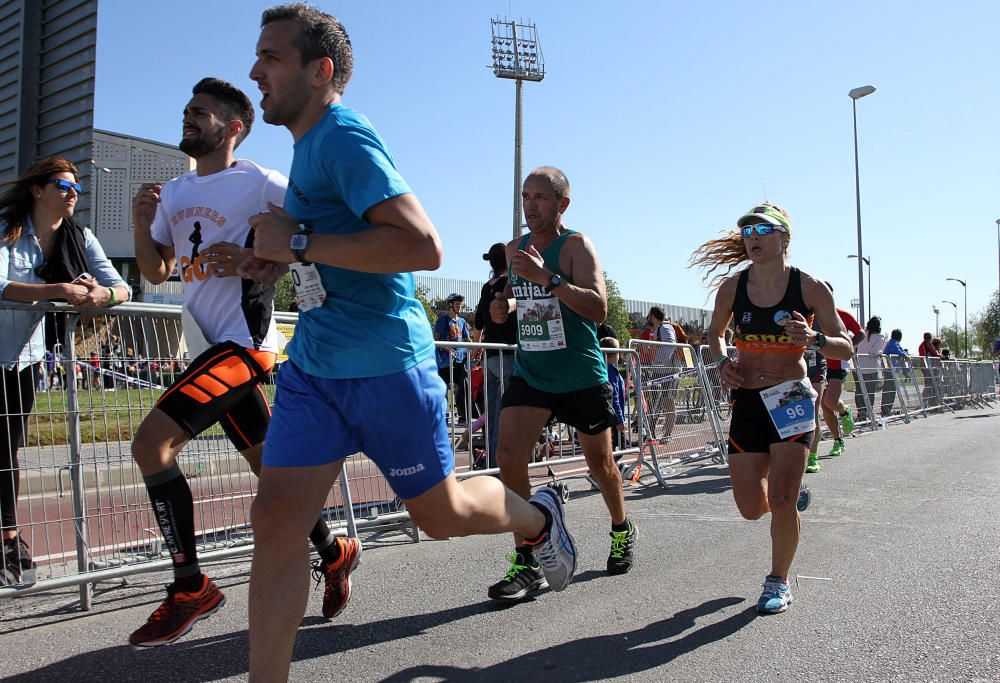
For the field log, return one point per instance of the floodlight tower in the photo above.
(517, 55)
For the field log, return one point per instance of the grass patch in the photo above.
(104, 415)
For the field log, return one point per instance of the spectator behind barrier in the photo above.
(45, 255)
(499, 365)
(451, 327)
(869, 370)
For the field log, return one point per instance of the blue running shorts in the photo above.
(397, 420)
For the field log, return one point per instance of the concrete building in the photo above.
(48, 55)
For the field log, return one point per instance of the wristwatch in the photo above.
(554, 281)
(820, 341)
(299, 243)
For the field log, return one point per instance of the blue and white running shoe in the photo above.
(556, 553)
(805, 496)
(777, 596)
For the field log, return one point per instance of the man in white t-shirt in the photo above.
(199, 223)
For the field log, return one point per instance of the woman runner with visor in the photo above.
(773, 306)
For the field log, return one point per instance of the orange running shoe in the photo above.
(177, 614)
(338, 576)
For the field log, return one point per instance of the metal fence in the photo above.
(84, 510)
(82, 506)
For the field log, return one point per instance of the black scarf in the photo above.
(68, 259)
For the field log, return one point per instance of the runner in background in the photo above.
(773, 305)
(838, 416)
(557, 291)
(816, 371)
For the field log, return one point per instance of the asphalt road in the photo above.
(896, 581)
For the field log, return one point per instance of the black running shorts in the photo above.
(589, 410)
(222, 385)
(751, 429)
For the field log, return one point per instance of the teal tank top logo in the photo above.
(557, 350)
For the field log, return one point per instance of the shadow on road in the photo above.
(603, 657)
(710, 481)
(224, 656)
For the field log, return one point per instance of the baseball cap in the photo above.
(498, 250)
(765, 213)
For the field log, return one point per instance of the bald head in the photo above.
(556, 179)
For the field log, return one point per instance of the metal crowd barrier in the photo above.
(84, 510)
(679, 412)
(83, 507)
(557, 454)
(887, 382)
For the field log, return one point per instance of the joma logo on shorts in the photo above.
(405, 471)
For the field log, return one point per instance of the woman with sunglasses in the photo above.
(44, 256)
(773, 306)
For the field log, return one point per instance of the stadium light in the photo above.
(517, 55)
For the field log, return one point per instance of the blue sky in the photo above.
(670, 119)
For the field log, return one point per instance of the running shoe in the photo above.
(594, 486)
(177, 614)
(805, 497)
(523, 577)
(777, 596)
(812, 467)
(556, 552)
(847, 421)
(623, 544)
(18, 567)
(838, 448)
(337, 576)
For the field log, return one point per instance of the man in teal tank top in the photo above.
(556, 289)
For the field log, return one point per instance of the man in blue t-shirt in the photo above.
(361, 374)
(451, 327)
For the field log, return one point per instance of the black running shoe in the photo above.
(19, 568)
(623, 543)
(519, 581)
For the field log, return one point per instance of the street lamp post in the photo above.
(998, 249)
(95, 195)
(945, 301)
(855, 95)
(965, 291)
(937, 320)
(868, 264)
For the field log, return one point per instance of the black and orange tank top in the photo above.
(758, 329)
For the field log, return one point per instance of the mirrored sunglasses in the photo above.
(65, 186)
(762, 229)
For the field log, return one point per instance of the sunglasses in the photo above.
(761, 229)
(65, 186)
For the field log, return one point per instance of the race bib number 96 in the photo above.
(792, 407)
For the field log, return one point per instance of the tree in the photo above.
(985, 328)
(423, 296)
(951, 336)
(617, 312)
(284, 293)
